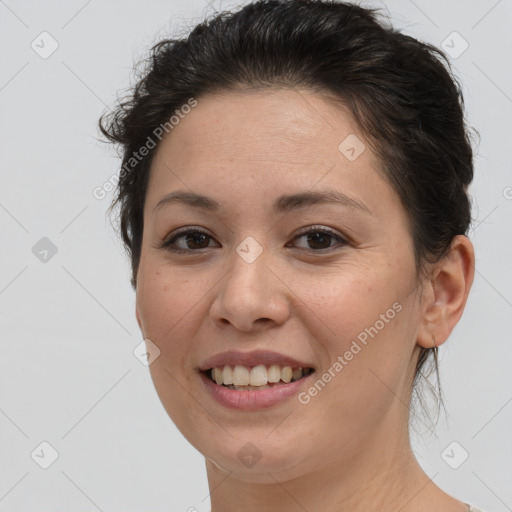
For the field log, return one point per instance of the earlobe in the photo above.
(450, 286)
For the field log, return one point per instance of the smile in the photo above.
(257, 377)
(249, 388)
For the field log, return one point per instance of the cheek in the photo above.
(359, 321)
(165, 303)
(342, 304)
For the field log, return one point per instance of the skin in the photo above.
(348, 449)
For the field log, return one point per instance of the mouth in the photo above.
(254, 378)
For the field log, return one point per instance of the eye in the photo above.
(320, 239)
(193, 239)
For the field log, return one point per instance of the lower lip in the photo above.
(253, 399)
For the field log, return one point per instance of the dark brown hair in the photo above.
(402, 93)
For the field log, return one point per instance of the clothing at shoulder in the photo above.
(473, 509)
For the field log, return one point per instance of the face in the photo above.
(330, 284)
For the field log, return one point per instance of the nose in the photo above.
(251, 296)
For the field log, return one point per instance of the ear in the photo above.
(447, 293)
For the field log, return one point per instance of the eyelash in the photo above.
(168, 245)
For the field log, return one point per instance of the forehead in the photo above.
(293, 123)
(241, 144)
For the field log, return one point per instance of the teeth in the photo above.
(217, 375)
(243, 377)
(227, 375)
(258, 376)
(286, 374)
(297, 373)
(240, 376)
(274, 373)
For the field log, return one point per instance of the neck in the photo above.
(382, 475)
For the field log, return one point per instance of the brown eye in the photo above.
(320, 239)
(193, 240)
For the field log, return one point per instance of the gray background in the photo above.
(68, 375)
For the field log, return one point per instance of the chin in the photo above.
(253, 462)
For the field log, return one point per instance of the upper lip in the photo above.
(254, 358)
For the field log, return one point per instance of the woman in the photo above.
(293, 197)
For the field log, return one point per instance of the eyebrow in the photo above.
(284, 203)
